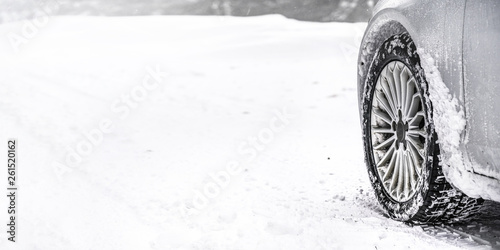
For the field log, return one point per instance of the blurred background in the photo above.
(307, 10)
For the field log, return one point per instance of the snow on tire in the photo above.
(401, 150)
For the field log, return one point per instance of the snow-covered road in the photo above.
(190, 133)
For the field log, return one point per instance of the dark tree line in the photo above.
(310, 10)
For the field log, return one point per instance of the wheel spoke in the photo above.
(382, 115)
(415, 145)
(390, 169)
(417, 132)
(415, 166)
(385, 143)
(408, 172)
(390, 81)
(387, 155)
(396, 74)
(380, 96)
(387, 92)
(410, 91)
(414, 106)
(402, 166)
(403, 76)
(395, 175)
(382, 130)
(415, 121)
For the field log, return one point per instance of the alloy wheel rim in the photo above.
(398, 133)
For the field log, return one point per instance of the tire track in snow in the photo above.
(485, 230)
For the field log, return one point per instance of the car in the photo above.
(429, 102)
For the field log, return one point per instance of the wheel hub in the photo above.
(401, 129)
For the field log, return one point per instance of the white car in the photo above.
(429, 98)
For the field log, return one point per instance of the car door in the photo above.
(481, 61)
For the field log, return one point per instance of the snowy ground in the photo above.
(227, 133)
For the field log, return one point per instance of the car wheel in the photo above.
(401, 149)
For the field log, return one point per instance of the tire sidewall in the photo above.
(401, 48)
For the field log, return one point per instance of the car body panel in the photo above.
(482, 85)
(425, 23)
(437, 27)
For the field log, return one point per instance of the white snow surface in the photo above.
(252, 141)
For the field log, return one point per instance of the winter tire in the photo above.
(401, 150)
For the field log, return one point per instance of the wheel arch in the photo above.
(427, 23)
(385, 24)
